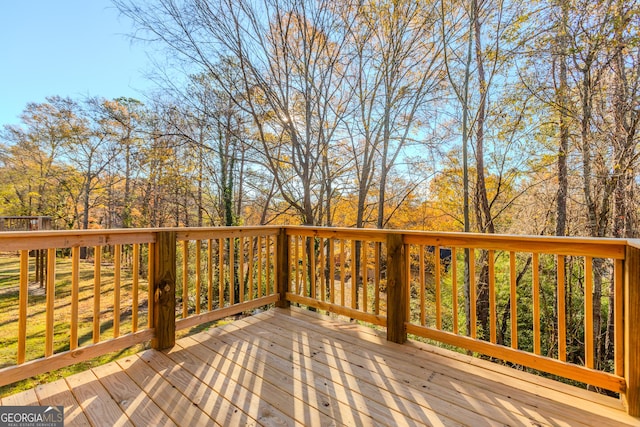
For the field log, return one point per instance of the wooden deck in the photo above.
(292, 367)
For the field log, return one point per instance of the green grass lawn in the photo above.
(36, 314)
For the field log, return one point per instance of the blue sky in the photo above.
(69, 48)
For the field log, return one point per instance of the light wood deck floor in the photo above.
(292, 367)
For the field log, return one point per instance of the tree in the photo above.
(121, 119)
(34, 157)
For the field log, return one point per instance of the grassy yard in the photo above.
(36, 323)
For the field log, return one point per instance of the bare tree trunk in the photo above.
(563, 106)
(483, 211)
(562, 101)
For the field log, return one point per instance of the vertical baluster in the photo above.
(406, 259)
(312, 279)
(588, 313)
(423, 316)
(210, 274)
(241, 267)
(221, 272)
(323, 285)
(536, 302)
(292, 263)
(354, 276)
(250, 261)
(562, 310)
(135, 287)
(116, 289)
(332, 270)
(365, 277)
(185, 278)
(22, 305)
(342, 273)
(472, 292)
(306, 280)
(50, 301)
(198, 274)
(232, 270)
(513, 301)
(377, 277)
(75, 282)
(260, 268)
(454, 289)
(267, 262)
(436, 269)
(97, 260)
(296, 261)
(151, 274)
(492, 297)
(618, 320)
(274, 262)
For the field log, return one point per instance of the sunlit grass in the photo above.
(36, 314)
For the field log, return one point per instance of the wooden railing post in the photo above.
(164, 290)
(632, 330)
(282, 259)
(397, 289)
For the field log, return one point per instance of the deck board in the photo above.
(133, 401)
(282, 373)
(172, 402)
(502, 385)
(370, 398)
(95, 401)
(459, 389)
(57, 393)
(378, 379)
(206, 396)
(24, 398)
(298, 368)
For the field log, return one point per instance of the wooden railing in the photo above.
(97, 297)
(414, 283)
(407, 282)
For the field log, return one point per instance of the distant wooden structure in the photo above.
(30, 223)
(25, 223)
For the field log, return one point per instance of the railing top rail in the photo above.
(15, 241)
(371, 234)
(450, 235)
(225, 232)
(585, 246)
(579, 246)
(46, 239)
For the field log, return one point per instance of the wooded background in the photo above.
(484, 115)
